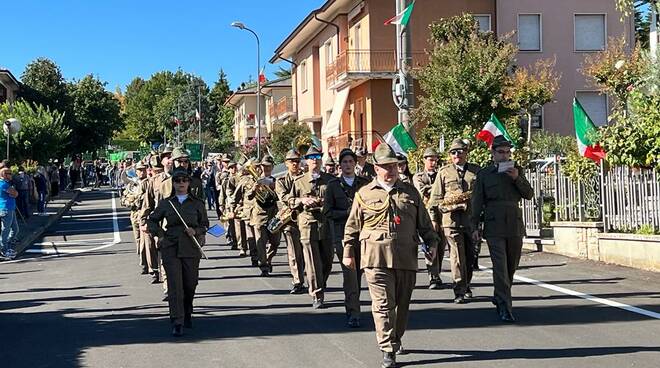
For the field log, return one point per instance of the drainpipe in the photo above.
(316, 12)
(295, 92)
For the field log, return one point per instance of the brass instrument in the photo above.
(265, 195)
(455, 201)
(284, 217)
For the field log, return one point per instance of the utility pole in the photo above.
(653, 31)
(199, 111)
(402, 85)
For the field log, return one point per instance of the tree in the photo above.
(97, 115)
(43, 134)
(285, 137)
(283, 72)
(470, 75)
(43, 83)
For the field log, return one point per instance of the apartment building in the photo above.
(567, 31)
(244, 103)
(9, 86)
(344, 58)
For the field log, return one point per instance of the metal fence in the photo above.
(625, 199)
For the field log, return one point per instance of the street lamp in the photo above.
(242, 26)
(11, 126)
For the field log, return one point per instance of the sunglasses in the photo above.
(313, 157)
(457, 152)
(181, 180)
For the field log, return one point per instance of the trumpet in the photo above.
(284, 217)
(266, 197)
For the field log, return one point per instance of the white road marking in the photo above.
(84, 230)
(55, 252)
(585, 296)
(73, 215)
(74, 242)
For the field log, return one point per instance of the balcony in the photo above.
(285, 108)
(367, 64)
(352, 139)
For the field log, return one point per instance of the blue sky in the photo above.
(118, 40)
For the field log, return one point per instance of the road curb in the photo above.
(36, 234)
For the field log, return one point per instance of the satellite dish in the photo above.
(11, 126)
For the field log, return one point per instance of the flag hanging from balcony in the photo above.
(399, 139)
(492, 129)
(403, 17)
(585, 131)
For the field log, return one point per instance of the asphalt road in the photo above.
(78, 300)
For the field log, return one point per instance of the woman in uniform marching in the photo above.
(180, 223)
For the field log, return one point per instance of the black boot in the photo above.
(177, 330)
(389, 360)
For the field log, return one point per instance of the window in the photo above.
(303, 76)
(529, 32)
(484, 22)
(595, 104)
(537, 119)
(329, 55)
(590, 33)
(3, 94)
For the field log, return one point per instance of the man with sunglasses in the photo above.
(283, 188)
(450, 212)
(307, 197)
(498, 190)
(423, 181)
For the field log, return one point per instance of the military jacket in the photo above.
(220, 181)
(153, 195)
(306, 186)
(260, 216)
(228, 188)
(283, 188)
(391, 242)
(448, 205)
(196, 187)
(423, 181)
(339, 198)
(497, 196)
(368, 171)
(172, 239)
(243, 203)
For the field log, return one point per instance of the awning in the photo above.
(331, 127)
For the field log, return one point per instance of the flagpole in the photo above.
(403, 43)
(199, 112)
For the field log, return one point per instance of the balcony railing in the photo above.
(368, 61)
(352, 139)
(285, 106)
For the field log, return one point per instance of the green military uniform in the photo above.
(449, 208)
(180, 253)
(148, 252)
(196, 186)
(337, 204)
(262, 212)
(497, 196)
(130, 198)
(283, 187)
(244, 205)
(315, 239)
(424, 181)
(367, 170)
(226, 184)
(386, 223)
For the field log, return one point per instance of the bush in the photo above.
(286, 137)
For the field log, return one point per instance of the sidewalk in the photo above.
(37, 225)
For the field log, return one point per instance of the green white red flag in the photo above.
(402, 18)
(399, 139)
(585, 131)
(492, 129)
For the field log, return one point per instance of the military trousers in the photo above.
(241, 237)
(391, 291)
(148, 252)
(231, 234)
(505, 256)
(434, 265)
(461, 258)
(182, 278)
(318, 260)
(295, 255)
(251, 241)
(352, 277)
(267, 245)
(135, 225)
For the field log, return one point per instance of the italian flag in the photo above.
(585, 130)
(399, 139)
(403, 17)
(492, 129)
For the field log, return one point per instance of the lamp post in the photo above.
(242, 26)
